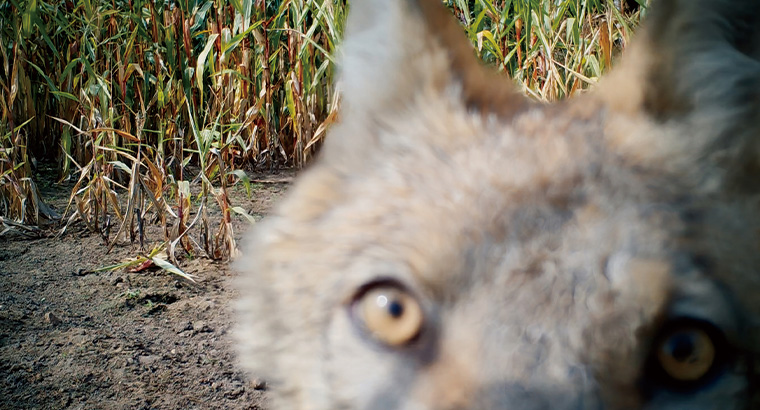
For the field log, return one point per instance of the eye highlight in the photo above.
(687, 354)
(389, 314)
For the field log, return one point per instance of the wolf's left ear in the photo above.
(693, 72)
(396, 48)
(398, 53)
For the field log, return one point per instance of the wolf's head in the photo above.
(458, 246)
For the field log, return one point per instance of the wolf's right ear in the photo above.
(693, 71)
(399, 54)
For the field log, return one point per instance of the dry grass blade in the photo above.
(25, 230)
(157, 257)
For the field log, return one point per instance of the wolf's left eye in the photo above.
(389, 313)
(688, 353)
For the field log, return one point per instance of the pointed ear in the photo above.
(400, 54)
(395, 48)
(694, 72)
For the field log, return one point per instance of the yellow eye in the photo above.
(686, 354)
(391, 315)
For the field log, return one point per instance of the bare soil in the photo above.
(74, 337)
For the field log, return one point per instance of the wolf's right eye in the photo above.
(389, 314)
(686, 354)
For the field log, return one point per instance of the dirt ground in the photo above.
(74, 338)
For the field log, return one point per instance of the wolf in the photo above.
(459, 246)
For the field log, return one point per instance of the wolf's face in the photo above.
(459, 247)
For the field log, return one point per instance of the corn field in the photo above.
(152, 109)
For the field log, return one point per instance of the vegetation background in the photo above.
(152, 110)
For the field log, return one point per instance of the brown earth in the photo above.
(72, 337)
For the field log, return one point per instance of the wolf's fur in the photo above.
(547, 245)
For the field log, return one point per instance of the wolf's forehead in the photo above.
(544, 154)
(543, 145)
(442, 224)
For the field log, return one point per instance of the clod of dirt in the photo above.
(186, 328)
(156, 309)
(259, 384)
(201, 327)
(147, 360)
(234, 394)
(52, 319)
(159, 297)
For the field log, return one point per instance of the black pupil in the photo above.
(681, 346)
(396, 309)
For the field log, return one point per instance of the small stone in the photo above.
(259, 384)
